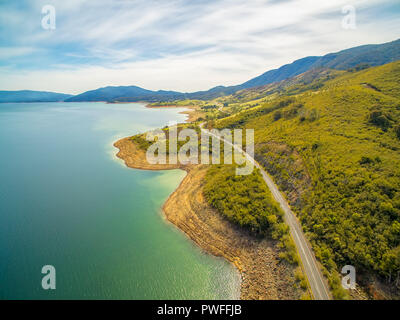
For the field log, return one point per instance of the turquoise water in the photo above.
(66, 201)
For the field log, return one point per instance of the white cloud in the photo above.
(182, 45)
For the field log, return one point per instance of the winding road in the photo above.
(313, 273)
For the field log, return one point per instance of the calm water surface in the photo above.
(66, 201)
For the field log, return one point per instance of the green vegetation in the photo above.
(178, 103)
(359, 67)
(379, 119)
(331, 140)
(208, 107)
(277, 115)
(335, 153)
(243, 200)
(241, 118)
(143, 144)
(247, 202)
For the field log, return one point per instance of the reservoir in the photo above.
(67, 201)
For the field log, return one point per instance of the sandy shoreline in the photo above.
(264, 274)
(192, 113)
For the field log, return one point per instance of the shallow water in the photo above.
(67, 201)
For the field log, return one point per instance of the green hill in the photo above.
(333, 147)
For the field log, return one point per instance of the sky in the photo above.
(182, 45)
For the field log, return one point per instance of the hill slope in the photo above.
(373, 55)
(335, 152)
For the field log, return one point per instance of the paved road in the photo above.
(315, 278)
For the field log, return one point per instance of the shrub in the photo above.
(366, 160)
(379, 119)
(290, 113)
(313, 115)
(359, 67)
(277, 115)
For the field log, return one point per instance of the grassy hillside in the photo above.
(334, 150)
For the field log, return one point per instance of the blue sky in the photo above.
(175, 45)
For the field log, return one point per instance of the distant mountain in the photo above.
(32, 96)
(310, 80)
(373, 55)
(285, 72)
(213, 93)
(129, 93)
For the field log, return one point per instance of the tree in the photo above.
(379, 119)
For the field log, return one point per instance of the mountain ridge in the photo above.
(7, 96)
(371, 54)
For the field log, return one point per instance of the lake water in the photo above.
(66, 201)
